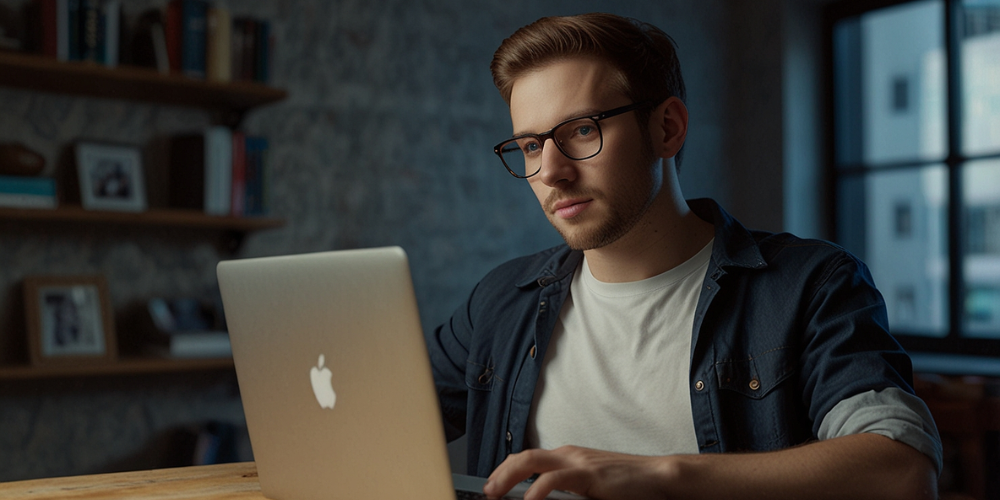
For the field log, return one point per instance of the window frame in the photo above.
(954, 161)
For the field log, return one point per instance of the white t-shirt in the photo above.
(615, 375)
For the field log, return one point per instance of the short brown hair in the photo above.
(644, 56)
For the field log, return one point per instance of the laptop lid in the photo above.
(334, 375)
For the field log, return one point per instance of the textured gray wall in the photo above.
(385, 139)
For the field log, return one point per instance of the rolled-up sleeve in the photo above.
(890, 412)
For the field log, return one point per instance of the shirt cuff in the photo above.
(891, 412)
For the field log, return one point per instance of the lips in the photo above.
(569, 208)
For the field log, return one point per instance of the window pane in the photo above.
(906, 246)
(904, 83)
(981, 187)
(981, 77)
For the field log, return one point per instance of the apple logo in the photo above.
(321, 384)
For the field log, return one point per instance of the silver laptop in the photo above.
(335, 379)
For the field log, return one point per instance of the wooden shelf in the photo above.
(152, 217)
(231, 100)
(42, 74)
(124, 366)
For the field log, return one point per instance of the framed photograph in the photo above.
(110, 177)
(69, 319)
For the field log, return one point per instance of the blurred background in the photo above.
(873, 124)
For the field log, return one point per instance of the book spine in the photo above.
(89, 36)
(237, 45)
(249, 50)
(73, 26)
(172, 28)
(102, 31)
(253, 179)
(160, 48)
(62, 30)
(48, 26)
(37, 186)
(112, 32)
(218, 170)
(262, 67)
(219, 52)
(239, 174)
(194, 37)
(15, 200)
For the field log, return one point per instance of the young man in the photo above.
(664, 342)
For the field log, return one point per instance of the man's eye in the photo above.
(531, 148)
(585, 130)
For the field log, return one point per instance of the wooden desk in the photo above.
(213, 482)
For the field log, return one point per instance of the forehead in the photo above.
(560, 90)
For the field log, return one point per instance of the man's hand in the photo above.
(587, 472)
(857, 467)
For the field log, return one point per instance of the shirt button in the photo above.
(754, 384)
(509, 437)
(699, 386)
(532, 352)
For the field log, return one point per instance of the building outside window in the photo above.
(916, 163)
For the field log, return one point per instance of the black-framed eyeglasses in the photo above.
(577, 139)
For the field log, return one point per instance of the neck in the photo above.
(667, 236)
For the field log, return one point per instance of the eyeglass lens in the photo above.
(577, 139)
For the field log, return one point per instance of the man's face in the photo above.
(593, 202)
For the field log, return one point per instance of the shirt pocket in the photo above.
(756, 376)
(479, 376)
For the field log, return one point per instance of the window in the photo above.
(916, 163)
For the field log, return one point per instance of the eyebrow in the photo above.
(577, 114)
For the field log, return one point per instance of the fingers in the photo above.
(559, 469)
(572, 480)
(521, 466)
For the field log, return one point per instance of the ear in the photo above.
(668, 127)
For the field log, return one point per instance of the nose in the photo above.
(556, 167)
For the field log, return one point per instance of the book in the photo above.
(201, 170)
(256, 176)
(182, 328)
(262, 67)
(148, 47)
(90, 37)
(27, 192)
(236, 48)
(219, 166)
(192, 344)
(173, 20)
(13, 200)
(238, 196)
(73, 23)
(247, 51)
(41, 20)
(112, 32)
(161, 54)
(64, 47)
(194, 32)
(218, 59)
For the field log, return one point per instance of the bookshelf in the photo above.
(228, 102)
(42, 74)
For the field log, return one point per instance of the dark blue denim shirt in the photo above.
(785, 328)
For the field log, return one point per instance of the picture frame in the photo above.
(111, 177)
(69, 319)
